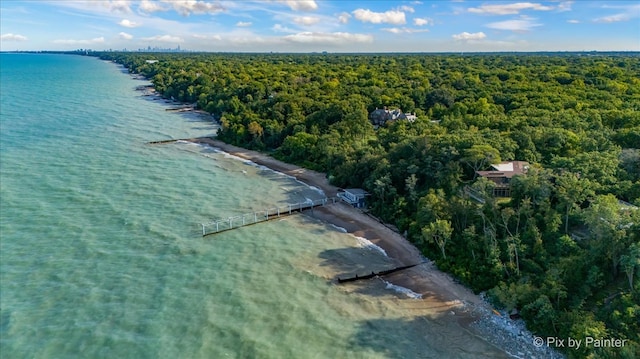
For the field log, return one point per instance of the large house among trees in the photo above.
(380, 116)
(501, 175)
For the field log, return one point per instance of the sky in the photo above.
(320, 25)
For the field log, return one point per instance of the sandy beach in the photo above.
(424, 279)
(440, 294)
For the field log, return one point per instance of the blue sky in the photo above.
(319, 25)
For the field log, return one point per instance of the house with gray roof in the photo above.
(380, 116)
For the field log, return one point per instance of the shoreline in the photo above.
(438, 292)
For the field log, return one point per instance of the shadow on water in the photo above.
(421, 337)
(433, 326)
(349, 261)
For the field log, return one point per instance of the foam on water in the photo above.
(258, 166)
(340, 229)
(402, 290)
(365, 243)
(317, 190)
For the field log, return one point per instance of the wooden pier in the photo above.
(223, 225)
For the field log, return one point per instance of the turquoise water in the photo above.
(101, 254)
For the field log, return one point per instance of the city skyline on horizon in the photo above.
(316, 26)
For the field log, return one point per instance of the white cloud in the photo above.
(573, 21)
(187, 7)
(390, 17)
(207, 37)
(97, 40)
(119, 6)
(565, 6)
(423, 21)
(333, 38)
(300, 5)
(306, 20)
(128, 23)
(526, 24)
(13, 37)
(404, 30)
(110, 6)
(164, 38)
(280, 28)
(244, 24)
(150, 6)
(465, 36)
(614, 18)
(629, 12)
(344, 17)
(509, 9)
(125, 36)
(406, 8)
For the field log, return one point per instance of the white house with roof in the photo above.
(354, 196)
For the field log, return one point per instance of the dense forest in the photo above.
(562, 249)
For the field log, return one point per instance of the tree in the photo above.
(608, 225)
(630, 162)
(432, 206)
(410, 185)
(255, 129)
(541, 315)
(439, 232)
(479, 156)
(571, 192)
(383, 191)
(440, 96)
(631, 262)
(299, 147)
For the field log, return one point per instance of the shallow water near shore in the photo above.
(101, 253)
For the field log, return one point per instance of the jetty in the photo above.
(234, 222)
(162, 141)
(181, 109)
(375, 274)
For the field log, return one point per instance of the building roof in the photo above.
(357, 191)
(506, 169)
(381, 115)
(505, 166)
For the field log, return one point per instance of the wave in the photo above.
(340, 229)
(365, 243)
(402, 290)
(259, 166)
(314, 188)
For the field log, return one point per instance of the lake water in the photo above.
(101, 253)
